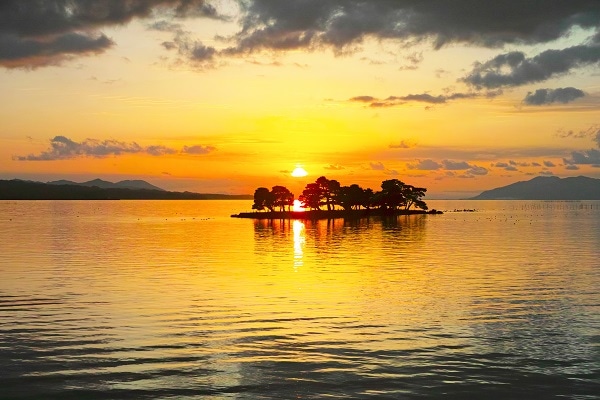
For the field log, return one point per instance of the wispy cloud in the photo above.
(426, 98)
(403, 144)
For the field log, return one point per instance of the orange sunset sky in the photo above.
(225, 96)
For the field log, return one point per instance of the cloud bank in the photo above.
(63, 148)
(516, 69)
(469, 170)
(41, 33)
(341, 24)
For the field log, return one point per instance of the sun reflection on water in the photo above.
(299, 231)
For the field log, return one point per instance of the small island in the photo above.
(394, 198)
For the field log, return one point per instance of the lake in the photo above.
(175, 299)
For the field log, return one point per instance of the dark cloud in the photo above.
(16, 52)
(201, 52)
(515, 69)
(477, 170)
(413, 60)
(63, 148)
(342, 24)
(510, 166)
(549, 164)
(377, 166)
(549, 96)
(425, 165)
(572, 167)
(404, 144)
(392, 101)
(190, 49)
(269, 25)
(363, 99)
(165, 26)
(469, 170)
(198, 149)
(159, 150)
(423, 97)
(455, 165)
(589, 157)
(41, 33)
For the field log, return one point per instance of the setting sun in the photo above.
(299, 172)
(297, 206)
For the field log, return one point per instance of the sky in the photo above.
(224, 96)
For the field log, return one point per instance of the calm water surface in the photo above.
(169, 299)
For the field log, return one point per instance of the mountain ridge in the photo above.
(546, 188)
(17, 189)
(125, 184)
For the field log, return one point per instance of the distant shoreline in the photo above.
(26, 190)
(333, 214)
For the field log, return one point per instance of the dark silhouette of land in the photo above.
(546, 188)
(395, 198)
(331, 214)
(27, 190)
(127, 184)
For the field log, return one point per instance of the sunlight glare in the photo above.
(298, 229)
(299, 172)
(297, 206)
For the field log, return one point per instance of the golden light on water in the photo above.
(298, 229)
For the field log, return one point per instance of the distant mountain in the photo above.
(546, 188)
(137, 184)
(127, 184)
(66, 190)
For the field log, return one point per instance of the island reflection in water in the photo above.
(175, 299)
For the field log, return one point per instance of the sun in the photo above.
(299, 172)
(298, 206)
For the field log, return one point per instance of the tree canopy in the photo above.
(329, 193)
(278, 196)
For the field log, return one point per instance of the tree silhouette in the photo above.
(412, 196)
(394, 195)
(311, 196)
(263, 198)
(282, 197)
(329, 189)
(391, 195)
(367, 198)
(351, 197)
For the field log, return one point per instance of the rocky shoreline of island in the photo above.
(331, 214)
